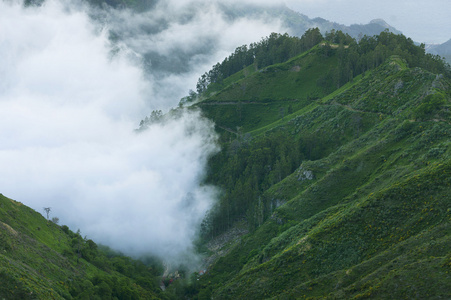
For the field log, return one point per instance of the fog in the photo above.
(70, 101)
(180, 40)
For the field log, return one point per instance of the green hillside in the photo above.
(344, 185)
(335, 173)
(42, 260)
(255, 101)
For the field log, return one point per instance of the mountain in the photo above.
(342, 183)
(443, 50)
(151, 21)
(299, 23)
(334, 176)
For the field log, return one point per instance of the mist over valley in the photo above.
(223, 149)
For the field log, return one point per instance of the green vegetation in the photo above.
(343, 180)
(350, 59)
(336, 157)
(276, 117)
(274, 49)
(41, 260)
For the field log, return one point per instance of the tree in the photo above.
(311, 38)
(47, 211)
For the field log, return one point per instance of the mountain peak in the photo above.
(380, 22)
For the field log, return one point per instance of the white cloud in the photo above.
(68, 111)
(185, 39)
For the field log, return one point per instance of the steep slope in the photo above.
(365, 212)
(41, 260)
(269, 93)
(251, 109)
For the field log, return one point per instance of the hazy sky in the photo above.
(425, 21)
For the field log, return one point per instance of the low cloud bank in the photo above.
(71, 98)
(68, 110)
(180, 40)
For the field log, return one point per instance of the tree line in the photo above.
(357, 57)
(354, 56)
(276, 48)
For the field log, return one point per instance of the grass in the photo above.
(264, 99)
(294, 79)
(39, 260)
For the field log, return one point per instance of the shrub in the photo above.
(430, 105)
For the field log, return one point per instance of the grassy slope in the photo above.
(252, 99)
(374, 221)
(28, 250)
(37, 260)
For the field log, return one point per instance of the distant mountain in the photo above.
(299, 23)
(373, 28)
(178, 59)
(444, 50)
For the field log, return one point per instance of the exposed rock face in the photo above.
(224, 243)
(305, 175)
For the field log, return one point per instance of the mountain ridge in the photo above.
(373, 150)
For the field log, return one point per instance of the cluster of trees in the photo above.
(243, 172)
(354, 57)
(156, 116)
(247, 168)
(357, 57)
(124, 278)
(274, 49)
